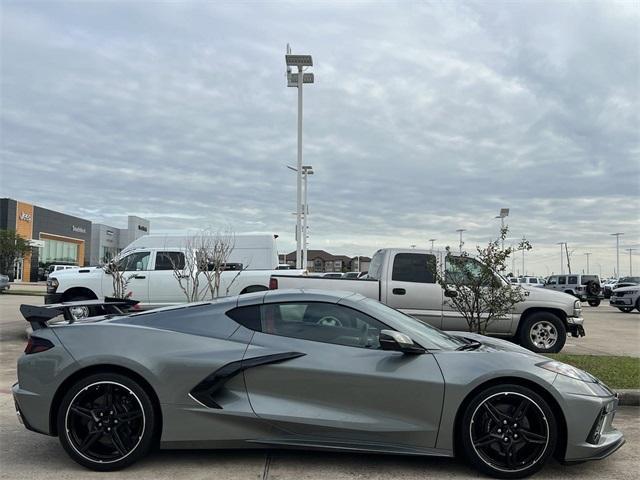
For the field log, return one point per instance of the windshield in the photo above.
(590, 278)
(426, 335)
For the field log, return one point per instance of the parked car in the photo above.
(626, 298)
(531, 281)
(323, 370)
(352, 275)
(4, 282)
(152, 282)
(585, 287)
(621, 283)
(404, 279)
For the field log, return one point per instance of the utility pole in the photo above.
(630, 250)
(587, 255)
(513, 261)
(566, 248)
(432, 240)
(561, 258)
(523, 270)
(617, 235)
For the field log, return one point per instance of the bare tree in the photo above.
(206, 255)
(473, 288)
(120, 280)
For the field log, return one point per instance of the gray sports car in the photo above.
(302, 369)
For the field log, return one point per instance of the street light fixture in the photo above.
(460, 230)
(299, 61)
(504, 212)
(432, 240)
(587, 254)
(631, 250)
(617, 235)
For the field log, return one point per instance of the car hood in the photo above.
(546, 295)
(630, 288)
(494, 344)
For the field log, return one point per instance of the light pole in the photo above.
(587, 254)
(460, 230)
(297, 80)
(432, 240)
(630, 250)
(617, 235)
(523, 272)
(504, 212)
(306, 171)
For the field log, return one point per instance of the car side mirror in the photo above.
(399, 342)
(450, 293)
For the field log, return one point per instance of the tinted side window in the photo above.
(573, 280)
(135, 262)
(552, 281)
(562, 280)
(533, 280)
(167, 260)
(321, 322)
(248, 317)
(414, 267)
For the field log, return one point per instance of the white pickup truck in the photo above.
(152, 281)
(404, 279)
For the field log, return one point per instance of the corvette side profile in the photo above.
(301, 369)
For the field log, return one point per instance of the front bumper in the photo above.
(621, 301)
(575, 326)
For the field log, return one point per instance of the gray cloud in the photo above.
(424, 118)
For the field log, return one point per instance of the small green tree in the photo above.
(473, 287)
(12, 248)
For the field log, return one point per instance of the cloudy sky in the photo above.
(425, 117)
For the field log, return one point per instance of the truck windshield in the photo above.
(428, 336)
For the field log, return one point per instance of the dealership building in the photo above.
(60, 239)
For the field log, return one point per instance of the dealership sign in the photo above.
(78, 229)
(24, 216)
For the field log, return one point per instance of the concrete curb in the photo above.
(629, 398)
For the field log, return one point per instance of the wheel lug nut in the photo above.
(515, 435)
(115, 421)
(99, 424)
(108, 429)
(499, 430)
(504, 422)
(505, 439)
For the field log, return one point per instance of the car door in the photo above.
(164, 286)
(336, 385)
(453, 319)
(135, 273)
(412, 287)
(562, 283)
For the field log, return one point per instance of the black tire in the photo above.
(592, 288)
(102, 435)
(638, 304)
(594, 302)
(516, 449)
(625, 309)
(539, 330)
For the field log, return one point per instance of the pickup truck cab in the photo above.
(152, 280)
(404, 279)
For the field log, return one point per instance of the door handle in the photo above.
(140, 277)
(398, 291)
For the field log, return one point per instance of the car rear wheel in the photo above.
(543, 332)
(106, 422)
(625, 309)
(594, 302)
(508, 431)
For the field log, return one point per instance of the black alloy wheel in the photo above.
(509, 431)
(106, 422)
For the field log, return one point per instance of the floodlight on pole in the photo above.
(300, 62)
(617, 235)
(432, 240)
(460, 230)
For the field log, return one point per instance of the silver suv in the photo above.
(585, 287)
(626, 298)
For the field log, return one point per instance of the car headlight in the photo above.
(577, 308)
(52, 285)
(567, 370)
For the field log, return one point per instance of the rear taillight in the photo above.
(273, 284)
(37, 345)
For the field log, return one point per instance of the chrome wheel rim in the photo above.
(509, 432)
(79, 313)
(105, 422)
(543, 334)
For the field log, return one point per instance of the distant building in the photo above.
(108, 241)
(56, 238)
(322, 261)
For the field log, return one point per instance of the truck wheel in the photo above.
(543, 332)
(625, 309)
(638, 304)
(80, 313)
(594, 302)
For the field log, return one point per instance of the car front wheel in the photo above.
(625, 309)
(106, 422)
(508, 431)
(543, 332)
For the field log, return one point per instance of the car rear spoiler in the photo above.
(38, 315)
